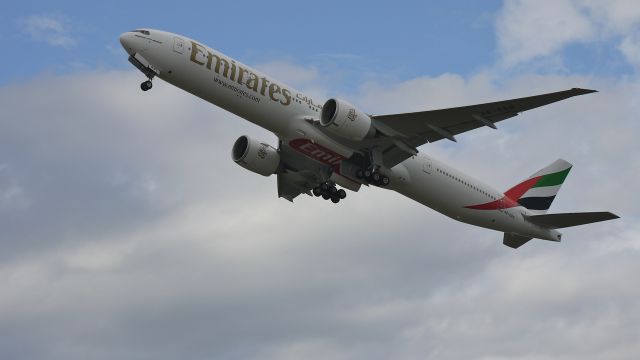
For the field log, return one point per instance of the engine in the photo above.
(256, 156)
(345, 120)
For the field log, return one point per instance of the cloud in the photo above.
(530, 30)
(149, 240)
(290, 73)
(12, 196)
(630, 47)
(618, 15)
(50, 29)
(128, 232)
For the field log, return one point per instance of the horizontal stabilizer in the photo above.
(514, 241)
(557, 221)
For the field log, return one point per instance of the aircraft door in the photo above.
(178, 45)
(426, 166)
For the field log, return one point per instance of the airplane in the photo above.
(327, 147)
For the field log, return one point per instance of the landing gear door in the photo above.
(426, 166)
(178, 45)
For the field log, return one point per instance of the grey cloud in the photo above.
(142, 240)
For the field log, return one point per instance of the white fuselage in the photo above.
(289, 114)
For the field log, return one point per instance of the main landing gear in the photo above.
(147, 85)
(329, 191)
(373, 177)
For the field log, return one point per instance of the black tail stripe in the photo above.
(537, 203)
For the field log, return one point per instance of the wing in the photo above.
(410, 130)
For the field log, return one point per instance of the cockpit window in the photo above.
(145, 32)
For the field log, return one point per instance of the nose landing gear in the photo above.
(147, 85)
(328, 191)
(146, 68)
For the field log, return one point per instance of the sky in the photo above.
(127, 232)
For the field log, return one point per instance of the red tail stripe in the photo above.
(517, 191)
(504, 203)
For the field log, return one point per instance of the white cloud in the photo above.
(532, 30)
(151, 240)
(51, 29)
(630, 47)
(529, 29)
(619, 16)
(303, 78)
(290, 73)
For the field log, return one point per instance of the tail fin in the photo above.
(538, 191)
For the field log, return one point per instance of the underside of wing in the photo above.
(291, 184)
(298, 174)
(417, 128)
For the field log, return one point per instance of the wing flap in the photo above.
(292, 184)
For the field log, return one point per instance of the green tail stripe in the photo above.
(553, 179)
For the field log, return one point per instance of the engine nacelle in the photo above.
(344, 119)
(256, 156)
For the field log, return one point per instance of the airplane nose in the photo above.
(126, 39)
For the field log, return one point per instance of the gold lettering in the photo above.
(209, 59)
(265, 82)
(287, 97)
(220, 60)
(195, 49)
(201, 56)
(252, 83)
(274, 89)
(241, 71)
(233, 70)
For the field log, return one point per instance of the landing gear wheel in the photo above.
(147, 85)
(385, 180)
(329, 191)
(359, 174)
(367, 174)
(376, 177)
(342, 194)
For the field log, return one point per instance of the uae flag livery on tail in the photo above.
(535, 193)
(538, 191)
